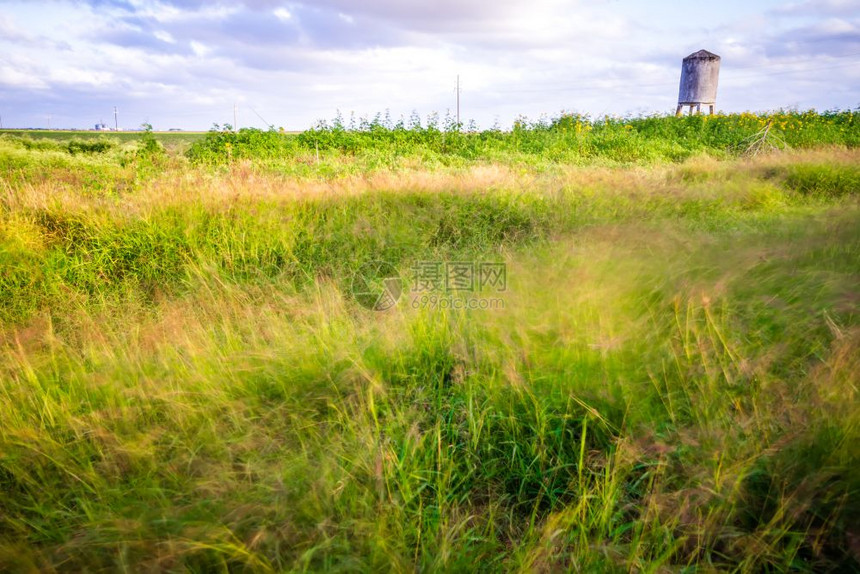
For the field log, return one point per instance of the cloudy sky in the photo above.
(191, 63)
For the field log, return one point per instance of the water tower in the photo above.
(700, 72)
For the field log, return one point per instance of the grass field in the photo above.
(667, 383)
(176, 142)
(124, 136)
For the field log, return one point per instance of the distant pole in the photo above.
(458, 101)
(235, 115)
(49, 121)
(1, 122)
(115, 120)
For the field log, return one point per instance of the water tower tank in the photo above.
(700, 72)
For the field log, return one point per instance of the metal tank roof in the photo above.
(702, 55)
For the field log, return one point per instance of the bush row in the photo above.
(566, 138)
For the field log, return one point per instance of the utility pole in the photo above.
(115, 120)
(49, 122)
(235, 112)
(458, 101)
(1, 122)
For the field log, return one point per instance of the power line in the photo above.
(262, 118)
(458, 99)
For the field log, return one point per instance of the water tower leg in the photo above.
(678, 111)
(698, 109)
(711, 109)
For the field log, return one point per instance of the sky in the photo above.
(189, 64)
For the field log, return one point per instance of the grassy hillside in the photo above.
(667, 381)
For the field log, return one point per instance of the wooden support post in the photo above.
(678, 111)
(711, 109)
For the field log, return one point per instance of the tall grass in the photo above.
(57, 251)
(625, 412)
(187, 384)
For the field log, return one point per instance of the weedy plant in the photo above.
(188, 383)
(567, 139)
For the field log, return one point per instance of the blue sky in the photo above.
(189, 63)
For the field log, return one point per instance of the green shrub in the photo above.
(824, 180)
(568, 138)
(225, 145)
(76, 146)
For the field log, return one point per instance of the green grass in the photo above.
(174, 141)
(122, 136)
(567, 139)
(188, 384)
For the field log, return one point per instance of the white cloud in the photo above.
(158, 11)
(15, 77)
(164, 36)
(821, 7)
(187, 61)
(11, 32)
(200, 49)
(79, 77)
